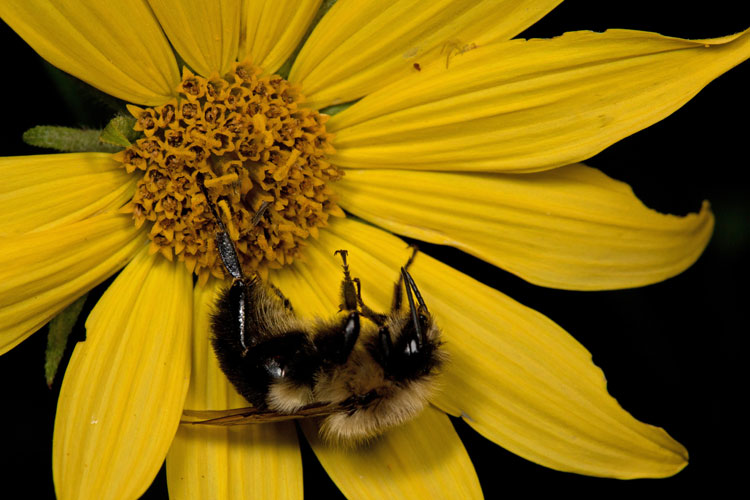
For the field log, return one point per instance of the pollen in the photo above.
(255, 145)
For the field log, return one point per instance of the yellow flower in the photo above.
(459, 136)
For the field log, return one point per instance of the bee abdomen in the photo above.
(366, 416)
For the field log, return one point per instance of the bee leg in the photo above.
(224, 244)
(287, 304)
(230, 320)
(386, 345)
(378, 319)
(397, 290)
(335, 343)
(241, 313)
(237, 294)
(348, 294)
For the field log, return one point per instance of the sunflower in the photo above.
(443, 129)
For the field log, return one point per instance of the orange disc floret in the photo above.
(253, 142)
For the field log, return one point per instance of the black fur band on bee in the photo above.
(360, 371)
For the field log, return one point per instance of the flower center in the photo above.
(256, 147)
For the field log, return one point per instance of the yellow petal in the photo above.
(42, 272)
(514, 375)
(572, 227)
(44, 191)
(524, 383)
(423, 458)
(250, 461)
(124, 389)
(359, 47)
(206, 33)
(118, 47)
(311, 285)
(273, 28)
(530, 105)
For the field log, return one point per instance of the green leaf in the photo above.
(336, 108)
(66, 139)
(119, 131)
(59, 330)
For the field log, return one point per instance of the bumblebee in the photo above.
(360, 371)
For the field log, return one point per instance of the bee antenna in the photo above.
(408, 283)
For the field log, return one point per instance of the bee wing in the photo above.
(251, 415)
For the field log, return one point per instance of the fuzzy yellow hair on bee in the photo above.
(360, 372)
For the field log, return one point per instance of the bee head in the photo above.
(413, 352)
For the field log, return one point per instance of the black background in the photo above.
(671, 351)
